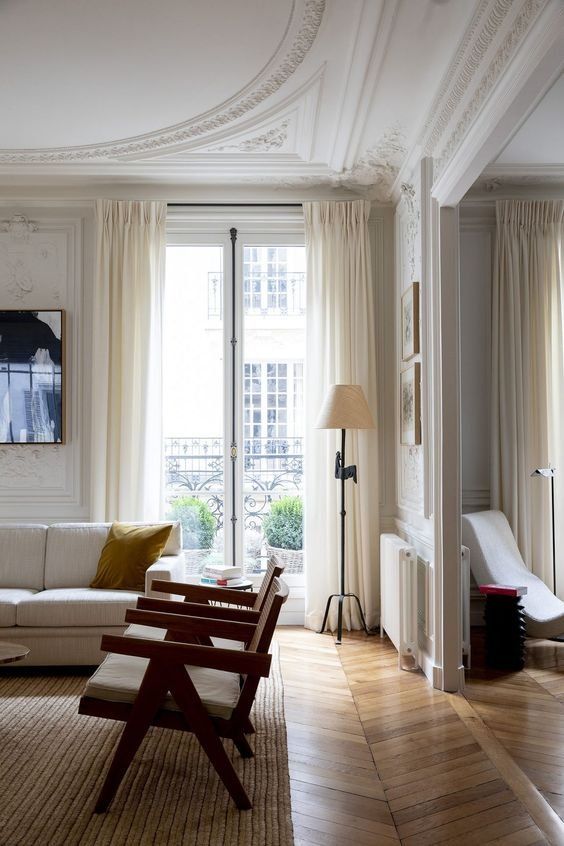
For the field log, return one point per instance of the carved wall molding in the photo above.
(377, 168)
(18, 227)
(28, 466)
(301, 35)
(466, 69)
(412, 217)
(412, 477)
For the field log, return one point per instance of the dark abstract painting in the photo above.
(31, 376)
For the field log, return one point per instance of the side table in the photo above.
(505, 626)
(10, 652)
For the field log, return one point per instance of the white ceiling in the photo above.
(540, 140)
(281, 92)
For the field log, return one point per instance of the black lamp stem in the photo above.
(343, 473)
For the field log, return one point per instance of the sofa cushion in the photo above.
(128, 553)
(75, 607)
(73, 551)
(22, 555)
(119, 677)
(9, 599)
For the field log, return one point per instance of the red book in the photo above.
(503, 590)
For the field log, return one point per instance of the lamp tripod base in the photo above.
(341, 598)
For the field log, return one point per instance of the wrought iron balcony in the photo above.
(265, 294)
(273, 467)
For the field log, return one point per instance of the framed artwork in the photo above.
(410, 322)
(32, 347)
(410, 405)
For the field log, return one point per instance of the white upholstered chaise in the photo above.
(495, 559)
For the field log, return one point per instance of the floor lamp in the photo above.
(345, 407)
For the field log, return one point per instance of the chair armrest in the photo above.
(197, 609)
(192, 625)
(205, 593)
(230, 660)
(168, 569)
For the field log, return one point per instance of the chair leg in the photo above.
(150, 697)
(186, 697)
(248, 727)
(242, 745)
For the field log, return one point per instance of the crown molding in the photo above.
(483, 73)
(299, 37)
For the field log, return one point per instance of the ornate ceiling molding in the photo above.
(300, 37)
(267, 142)
(465, 77)
(372, 176)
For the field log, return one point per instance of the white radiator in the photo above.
(398, 597)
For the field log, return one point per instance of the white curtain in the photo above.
(528, 374)
(127, 443)
(341, 348)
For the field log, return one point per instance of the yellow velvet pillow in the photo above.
(128, 552)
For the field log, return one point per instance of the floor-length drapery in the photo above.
(528, 375)
(341, 348)
(127, 443)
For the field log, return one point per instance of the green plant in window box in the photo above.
(284, 531)
(199, 528)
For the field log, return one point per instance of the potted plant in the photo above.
(198, 529)
(284, 532)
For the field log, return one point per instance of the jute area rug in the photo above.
(52, 763)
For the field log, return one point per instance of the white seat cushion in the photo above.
(9, 599)
(22, 555)
(158, 634)
(119, 677)
(76, 607)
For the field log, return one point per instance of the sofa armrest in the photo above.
(169, 568)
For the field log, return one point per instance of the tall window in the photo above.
(225, 484)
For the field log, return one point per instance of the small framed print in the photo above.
(410, 322)
(410, 405)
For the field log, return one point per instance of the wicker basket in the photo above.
(292, 559)
(194, 560)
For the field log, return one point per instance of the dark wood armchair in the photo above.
(186, 686)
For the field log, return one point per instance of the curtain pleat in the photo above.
(341, 348)
(127, 443)
(528, 373)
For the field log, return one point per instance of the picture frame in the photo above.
(410, 322)
(32, 376)
(410, 405)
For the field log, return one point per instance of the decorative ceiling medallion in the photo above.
(265, 85)
(18, 227)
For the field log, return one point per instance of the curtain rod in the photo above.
(237, 205)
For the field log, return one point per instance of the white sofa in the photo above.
(46, 603)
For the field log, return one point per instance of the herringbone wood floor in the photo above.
(379, 757)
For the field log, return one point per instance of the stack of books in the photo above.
(222, 574)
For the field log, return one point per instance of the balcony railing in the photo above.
(273, 467)
(266, 294)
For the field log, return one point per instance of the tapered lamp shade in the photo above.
(345, 407)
